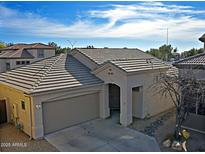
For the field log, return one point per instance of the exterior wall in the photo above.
(153, 102)
(115, 76)
(13, 96)
(13, 62)
(47, 53)
(198, 73)
(38, 99)
(2, 65)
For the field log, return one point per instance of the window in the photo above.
(40, 53)
(27, 62)
(18, 63)
(23, 105)
(23, 62)
(8, 67)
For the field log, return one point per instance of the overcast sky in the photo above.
(111, 24)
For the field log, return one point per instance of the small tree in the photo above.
(164, 52)
(2, 45)
(59, 49)
(178, 88)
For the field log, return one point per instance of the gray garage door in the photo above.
(67, 112)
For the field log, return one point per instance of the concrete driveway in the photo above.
(101, 136)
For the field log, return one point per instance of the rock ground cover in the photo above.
(162, 126)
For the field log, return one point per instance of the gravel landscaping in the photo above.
(12, 140)
(161, 126)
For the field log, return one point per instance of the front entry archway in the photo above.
(114, 101)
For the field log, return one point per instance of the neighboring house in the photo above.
(23, 54)
(194, 65)
(69, 89)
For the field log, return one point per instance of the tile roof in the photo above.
(134, 65)
(202, 38)
(101, 55)
(19, 53)
(129, 60)
(20, 50)
(198, 59)
(62, 71)
(29, 46)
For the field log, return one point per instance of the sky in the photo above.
(131, 24)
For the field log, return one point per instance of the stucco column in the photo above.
(104, 102)
(125, 106)
(37, 119)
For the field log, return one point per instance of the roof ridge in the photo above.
(131, 59)
(46, 72)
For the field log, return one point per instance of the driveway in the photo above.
(101, 135)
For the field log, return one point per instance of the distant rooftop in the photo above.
(196, 60)
(202, 38)
(28, 46)
(20, 50)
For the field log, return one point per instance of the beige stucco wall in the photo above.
(13, 62)
(2, 65)
(152, 103)
(38, 99)
(47, 53)
(113, 75)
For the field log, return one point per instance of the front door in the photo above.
(3, 116)
(114, 97)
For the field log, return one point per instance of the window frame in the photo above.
(23, 105)
(40, 53)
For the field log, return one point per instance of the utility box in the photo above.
(15, 110)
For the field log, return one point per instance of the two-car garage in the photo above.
(67, 112)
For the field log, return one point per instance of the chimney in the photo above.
(202, 39)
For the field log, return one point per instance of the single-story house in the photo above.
(85, 84)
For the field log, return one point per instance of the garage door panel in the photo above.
(67, 112)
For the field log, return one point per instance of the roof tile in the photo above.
(52, 73)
